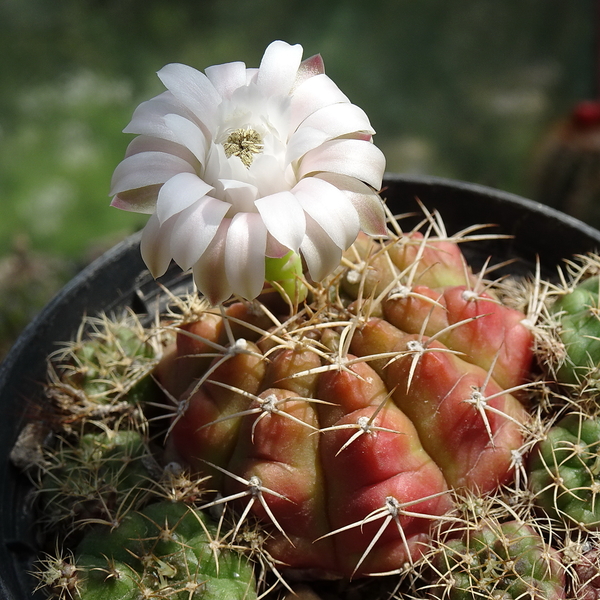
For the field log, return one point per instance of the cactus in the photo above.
(498, 560)
(97, 477)
(165, 551)
(391, 424)
(579, 331)
(565, 471)
(293, 425)
(106, 370)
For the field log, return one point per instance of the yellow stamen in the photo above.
(244, 143)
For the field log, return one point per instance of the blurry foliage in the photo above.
(462, 89)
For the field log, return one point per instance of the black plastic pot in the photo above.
(119, 279)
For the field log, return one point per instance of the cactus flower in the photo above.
(236, 166)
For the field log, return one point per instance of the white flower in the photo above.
(236, 165)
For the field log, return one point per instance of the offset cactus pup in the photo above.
(349, 433)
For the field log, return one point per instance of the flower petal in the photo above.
(155, 245)
(209, 270)
(366, 201)
(309, 67)
(266, 171)
(146, 143)
(146, 168)
(188, 134)
(331, 121)
(356, 158)
(194, 90)
(178, 193)
(274, 249)
(245, 255)
(303, 141)
(330, 208)
(194, 230)
(148, 117)
(241, 195)
(313, 94)
(283, 217)
(141, 200)
(279, 68)
(322, 256)
(227, 77)
(339, 119)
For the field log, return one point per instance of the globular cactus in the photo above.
(564, 472)
(166, 551)
(344, 427)
(508, 560)
(98, 476)
(578, 323)
(105, 371)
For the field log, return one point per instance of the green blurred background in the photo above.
(465, 89)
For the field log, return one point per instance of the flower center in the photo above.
(244, 143)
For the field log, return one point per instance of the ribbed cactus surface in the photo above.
(344, 428)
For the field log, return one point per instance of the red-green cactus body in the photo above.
(347, 459)
(211, 421)
(289, 450)
(313, 449)
(491, 336)
(437, 263)
(464, 419)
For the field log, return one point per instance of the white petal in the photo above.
(178, 193)
(322, 256)
(188, 134)
(283, 217)
(209, 270)
(274, 249)
(227, 77)
(268, 174)
(240, 195)
(278, 68)
(195, 229)
(313, 94)
(194, 90)
(155, 245)
(339, 119)
(356, 158)
(141, 200)
(148, 117)
(365, 200)
(303, 141)
(245, 255)
(309, 67)
(145, 143)
(327, 123)
(146, 168)
(330, 208)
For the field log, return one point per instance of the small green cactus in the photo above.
(578, 314)
(564, 471)
(98, 477)
(107, 370)
(509, 561)
(166, 551)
